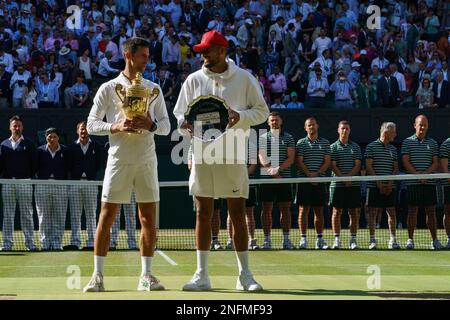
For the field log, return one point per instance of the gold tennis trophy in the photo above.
(137, 98)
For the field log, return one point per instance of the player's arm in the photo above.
(95, 123)
(258, 111)
(251, 168)
(356, 168)
(180, 109)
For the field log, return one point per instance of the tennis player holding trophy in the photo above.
(213, 102)
(135, 111)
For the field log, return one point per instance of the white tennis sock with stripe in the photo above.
(242, 259)
(99, 263)
(202, 262)
(146, 263)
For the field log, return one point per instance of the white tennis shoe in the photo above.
(246, 282)
(95, 284)
(149, 282)
(198, 283)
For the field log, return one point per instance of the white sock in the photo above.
(99, 263)
(146, 263)
(242, 260)
(286, 237)
(202, 262)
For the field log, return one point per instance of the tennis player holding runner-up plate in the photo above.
(208, 113)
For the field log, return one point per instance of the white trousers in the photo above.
(23, 194)
(51, 205)
(83, 197)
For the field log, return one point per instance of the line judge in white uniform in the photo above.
(132, 163)
(221, 77)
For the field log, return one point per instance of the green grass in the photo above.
(284, 274)
(184, 239)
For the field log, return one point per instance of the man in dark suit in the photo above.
(418, 76)
(441, 90)
(155, 49)
(204, 17)
(119, 39)
(388, 90)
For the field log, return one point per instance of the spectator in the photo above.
(343, 90)
(17, 85)
(317, 89)
(387, 90)
(171, 54)
(30, 95)
(425, 95)
(7, 60)
(87, 66)
(243, 35)
(400, 80)
(278, 83)
(277, 104)
(105, 71)
(48, 95)
(294, 103)
(79, 92)
(5, 80)
(321, 43)
(431, 25)
(365, 97)
(289, 49)
(441, 91)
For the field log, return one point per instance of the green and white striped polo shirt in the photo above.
(345, 156)
(421, 153)
(444, 153)
(313, 153)
(285, 141)
(383, 158)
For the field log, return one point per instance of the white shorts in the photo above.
(219, 181)
(121, 179)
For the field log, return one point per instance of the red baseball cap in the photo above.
(209, 39)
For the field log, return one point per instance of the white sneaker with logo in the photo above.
(373, 244)
(198, 282)
(95, 284)
(246, 282)
(149, 283)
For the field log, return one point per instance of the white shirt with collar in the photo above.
(401, 81)
(51, 152)
(15, 143)
(84, 147)
(126, 148)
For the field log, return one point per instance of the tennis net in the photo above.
(51, 215)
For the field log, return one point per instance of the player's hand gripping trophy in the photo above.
(136, 99)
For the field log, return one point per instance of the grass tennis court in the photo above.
(284, 275)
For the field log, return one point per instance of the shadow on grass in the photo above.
(302, 292)
(412, 295)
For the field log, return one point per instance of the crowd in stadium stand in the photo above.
(306, 54)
